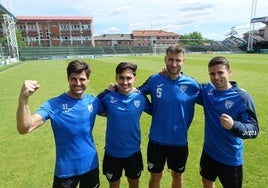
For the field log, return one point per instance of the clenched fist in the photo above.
(29, 87)
(226, 121)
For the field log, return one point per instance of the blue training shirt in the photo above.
(173, 104)
(72, 122)
(226, 146)
(123, 136)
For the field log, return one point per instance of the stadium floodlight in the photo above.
(252, 24)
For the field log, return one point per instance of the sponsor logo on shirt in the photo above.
(210, 92)
(112, 100)
(250, 133)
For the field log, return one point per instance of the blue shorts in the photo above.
(157, 155)
(229, 176)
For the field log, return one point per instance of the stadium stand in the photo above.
(142, 49)
(108, 50)
(122, 49)
(30, 53)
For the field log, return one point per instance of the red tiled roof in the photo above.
(32, 18)
(149, 33)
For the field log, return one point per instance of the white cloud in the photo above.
(212, 18)
(112, 30)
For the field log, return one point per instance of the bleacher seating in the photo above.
(27, 53)
(50, 52)
(122, 49)
(264, 51)
(108, 50)
(142, 49)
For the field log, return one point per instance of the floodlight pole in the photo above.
(251, 29)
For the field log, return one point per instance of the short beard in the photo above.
(172, 73)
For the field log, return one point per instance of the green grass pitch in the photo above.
(27, 161)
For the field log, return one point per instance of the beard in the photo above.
(173, 71)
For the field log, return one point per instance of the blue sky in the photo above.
(212, 18)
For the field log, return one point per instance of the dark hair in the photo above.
(175, 49)
(219, 60)
(121, 67)
(77, 66)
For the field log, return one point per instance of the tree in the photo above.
(19, 37)
(232, 33)
(20, 40)
(194, 38)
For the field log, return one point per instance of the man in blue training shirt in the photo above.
(123, 137)
(229, 117)
(173, 99)
(72, 115)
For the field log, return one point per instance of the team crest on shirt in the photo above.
(183, 88)
(137, 103)
(90, 107)
(229, 104)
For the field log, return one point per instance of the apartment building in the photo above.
(154, 37)
(48, 31)
(51, 31)
(138, 38)
(114, 40)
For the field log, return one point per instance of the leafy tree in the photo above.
(194, 38)
(20, 40)
(19, 37)
(232, 33)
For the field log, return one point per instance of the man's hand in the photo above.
(164, 72)
(112, 87)
(29, 87)
(226, 121)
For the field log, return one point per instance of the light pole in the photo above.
(81, 38)
(251, 29)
